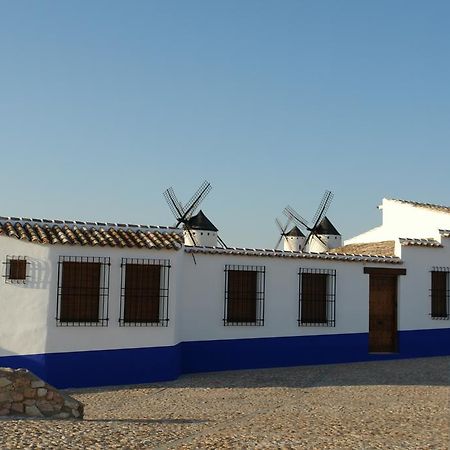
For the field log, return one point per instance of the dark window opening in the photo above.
(440, 293)
(15, 269)
(244, 295)
(83, 291)
(144, 292)
(317, 296)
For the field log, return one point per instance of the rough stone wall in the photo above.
(24, 394)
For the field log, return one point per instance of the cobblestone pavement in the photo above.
(378, 405)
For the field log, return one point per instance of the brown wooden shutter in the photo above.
(17, 269)
(314, 298)
(439, 294)
(142, 293)
(242, 287)
(80, 292)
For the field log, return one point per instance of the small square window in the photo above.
(16, 269)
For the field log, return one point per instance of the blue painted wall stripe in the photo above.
(146, 365)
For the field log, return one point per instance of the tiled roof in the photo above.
(384, 248)
(435, 207)
(299, 255)
(420, 242)
(45, 231)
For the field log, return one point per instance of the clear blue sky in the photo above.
(104, 104)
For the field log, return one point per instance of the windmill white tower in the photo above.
(294, 240)
(199, 231)
(326, 238)
(322, 235)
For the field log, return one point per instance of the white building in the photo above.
(86, 304)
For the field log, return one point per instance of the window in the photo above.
(16, 269)
(440, 292)
(144, 292)
(83, 291)
(317, 295)
(244, 295)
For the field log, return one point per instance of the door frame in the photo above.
(391, 273)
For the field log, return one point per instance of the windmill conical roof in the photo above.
(295, 231)
(326, 227)
(201, 222)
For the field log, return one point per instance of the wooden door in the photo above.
(383, 313)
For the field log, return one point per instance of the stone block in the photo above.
(29, 402)
(17, 396)
(4, 382)
(33, 411)
(37, 384)
(41, 392)
(5, 396)
(71, 403)
(17, 408)
(29, 393)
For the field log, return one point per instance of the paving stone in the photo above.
(395, 405)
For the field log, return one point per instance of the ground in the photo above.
(400, 404)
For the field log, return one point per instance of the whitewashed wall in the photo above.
(196, 300)
(202, 303)
(405, 220)
(28, 311)
(414, 306)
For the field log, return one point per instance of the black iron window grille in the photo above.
(244, 295)
(144, 292)
(83, 291)
(439, 292)
(16, 269)
(317, 297)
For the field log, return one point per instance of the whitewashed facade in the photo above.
(197, 336)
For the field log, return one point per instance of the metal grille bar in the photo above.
(144, 292)
(317, 297)
(83, 291)
(244, 295)
(440, 293)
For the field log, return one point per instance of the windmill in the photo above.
(294, 239)
(314, 230)
(185, 214)
(283, 229)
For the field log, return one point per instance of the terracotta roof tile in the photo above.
(420, 242)
(297, 255)
(384, 248)
(45, 231)
(433, 206)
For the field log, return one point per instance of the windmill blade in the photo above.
(174, 204)
(221, 241)
(314, 234)
(282, 229)
(290, 213)
(193, 241)
(196, 199)
(323, 208)
(279, 242)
